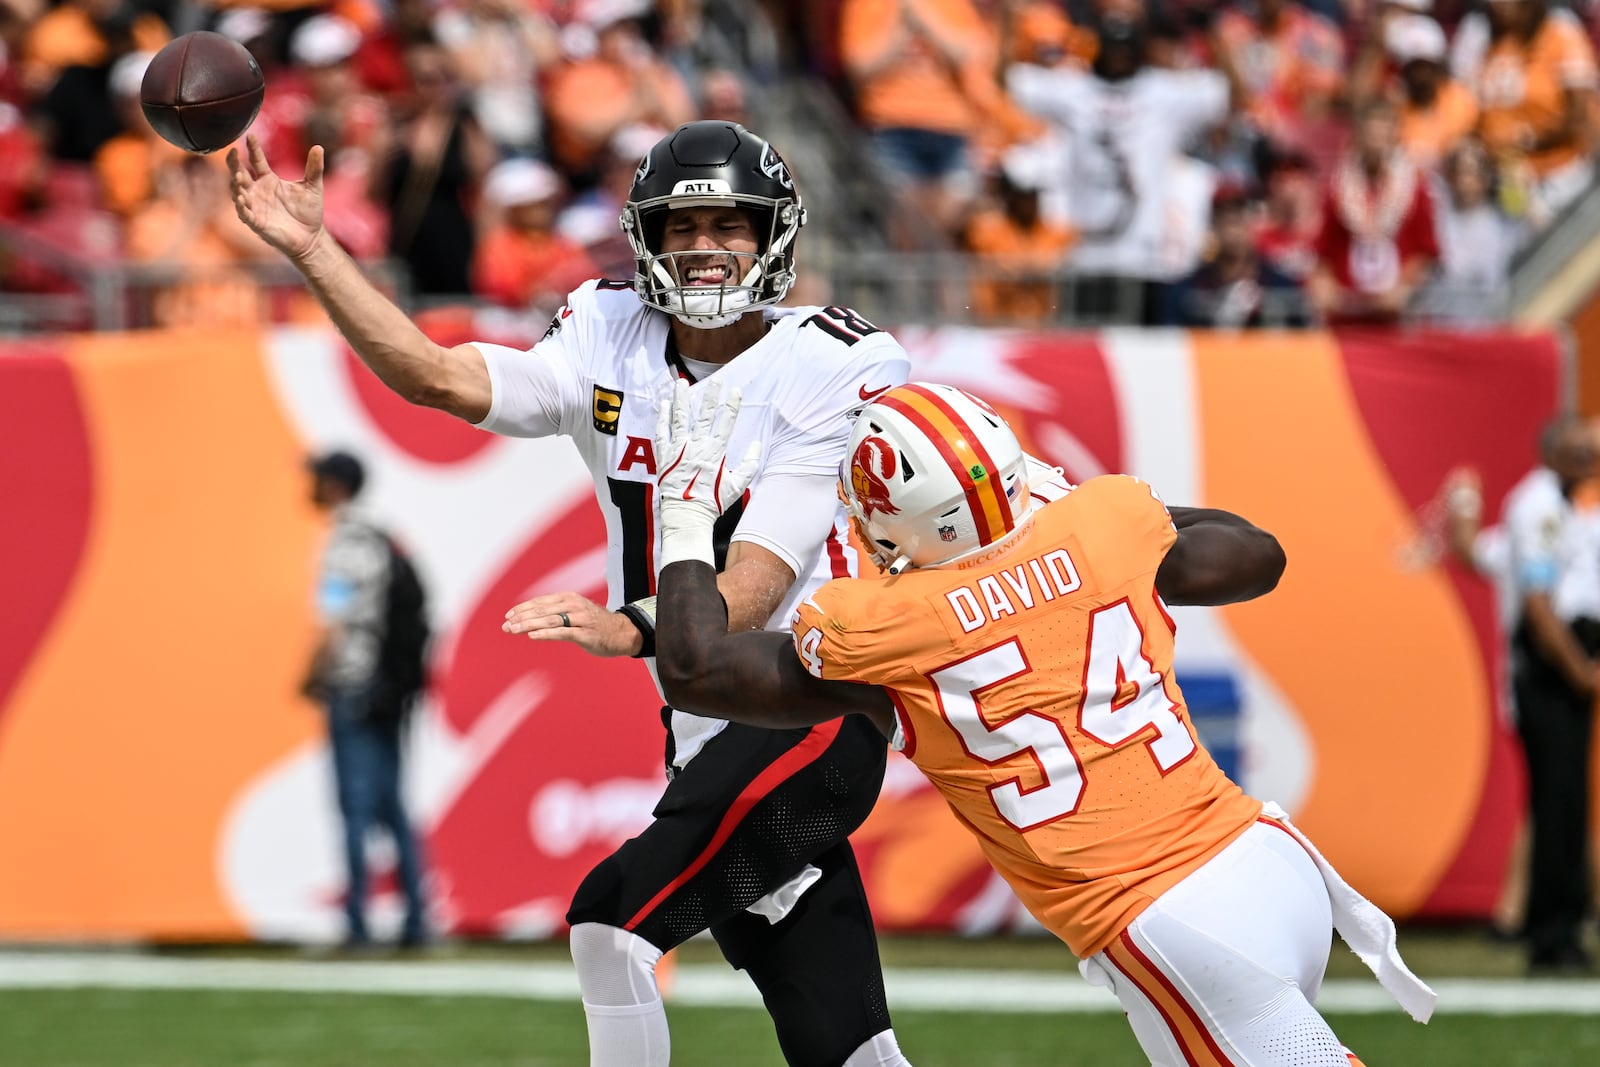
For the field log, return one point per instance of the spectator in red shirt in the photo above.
(1287, 239)
(1377, 244)
(522, 262)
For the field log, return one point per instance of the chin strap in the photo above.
(709, 322)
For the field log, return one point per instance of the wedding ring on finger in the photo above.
(566, 620)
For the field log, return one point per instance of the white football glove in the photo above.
(696, 485)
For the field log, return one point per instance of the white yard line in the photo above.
(932, 989)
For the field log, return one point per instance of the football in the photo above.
(202, 91)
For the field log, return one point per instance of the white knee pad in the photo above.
(616, 968)
(617, 973)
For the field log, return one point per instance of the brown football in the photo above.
(202, 91)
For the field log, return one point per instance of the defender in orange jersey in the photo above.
(1021, 656)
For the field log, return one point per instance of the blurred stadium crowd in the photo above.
(1189, 162)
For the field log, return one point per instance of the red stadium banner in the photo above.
(161, 778)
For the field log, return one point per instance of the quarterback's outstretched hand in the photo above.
(696, 484)
(286, 215)
(574, 618)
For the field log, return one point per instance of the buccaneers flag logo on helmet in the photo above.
(870, 468)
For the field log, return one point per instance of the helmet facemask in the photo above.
(712, 164)
(757, 279)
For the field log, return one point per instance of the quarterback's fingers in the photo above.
(544, 612)
(313, 178)
(259, 167)
(544, 604)
(535, 624)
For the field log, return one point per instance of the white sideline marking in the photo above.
(931, 989)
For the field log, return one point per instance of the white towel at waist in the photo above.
(1367, 930)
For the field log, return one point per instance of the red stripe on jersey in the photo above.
(650, 534)
(777, 772)
(836, 557)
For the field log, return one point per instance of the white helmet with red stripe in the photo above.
(933, 475)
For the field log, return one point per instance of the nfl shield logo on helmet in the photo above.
(947, 533)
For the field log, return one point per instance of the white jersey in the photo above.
(597, 377)
(1122, 141)
(1555, 549)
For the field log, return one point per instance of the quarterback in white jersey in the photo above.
(751, 838)
(605, 366)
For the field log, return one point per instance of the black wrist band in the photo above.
(646, 623)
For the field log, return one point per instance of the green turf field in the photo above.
(217, 1027)
(163, 1028)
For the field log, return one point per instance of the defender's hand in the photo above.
(574, 618)
(286, 215)
(696, 484)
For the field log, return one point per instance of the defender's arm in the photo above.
(1219, 558)
(753, 676)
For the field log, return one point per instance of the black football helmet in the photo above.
(710, 163)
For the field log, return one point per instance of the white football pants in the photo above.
(1222, 969)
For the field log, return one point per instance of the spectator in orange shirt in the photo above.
(191, 229)
(1041, 33)
(1292, 64)
(590, 98)
(126, 165)
(1018, 251)
(1536, 87)
(1378, 244)
(73, 114)
(522, 262)
(84, 33)
(1436, 111)
(926, 90)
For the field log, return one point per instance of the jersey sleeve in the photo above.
(813, 430)
(538, 392)
(795, 498)
(842, 633)
(1535, 533)
(1133, 529)
(790, 515)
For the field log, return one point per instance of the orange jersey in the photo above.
(1522, 89)
(1035, 689)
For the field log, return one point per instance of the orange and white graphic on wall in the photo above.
(160, 775)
